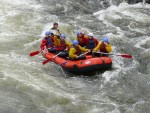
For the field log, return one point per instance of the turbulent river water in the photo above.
(26, 86)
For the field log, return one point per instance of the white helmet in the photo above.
(90, 34)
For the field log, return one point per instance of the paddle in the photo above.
(37, 52)
(83, 54)
(34, 53)
(122, 55)
(48, 60)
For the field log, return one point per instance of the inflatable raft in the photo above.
(82, 66)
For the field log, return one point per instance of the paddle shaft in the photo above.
(122, 55)
(83, 54)
(48, 60)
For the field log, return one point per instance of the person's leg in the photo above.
(89, 53)
(52, 50)
(63, 54)
(81, 57)
(96, 55)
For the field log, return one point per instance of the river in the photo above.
(27, 86)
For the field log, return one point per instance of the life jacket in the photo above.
(78, 51)
(91, 44)
(103, 48)
(62, 46)
(50, 41)
(81, 40)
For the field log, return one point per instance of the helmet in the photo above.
(47, 33)
(79, 32)
(90, 34)
(105, 39)
(75, 42)
(63, 35)
(55, 23)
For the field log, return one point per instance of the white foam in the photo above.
(142, 41)
(115, 12)
(108, 75)
(28, 45)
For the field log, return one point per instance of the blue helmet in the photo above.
(75, 42)
(79, 32)
(47, 33)
(63, 35)
(105, 39)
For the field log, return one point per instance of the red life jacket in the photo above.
(81, 40)
(48, 42)
(103, 48)
(62, 46)
(78, 51)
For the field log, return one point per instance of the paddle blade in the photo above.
(46, 61)
(126, 55)
(34, 53)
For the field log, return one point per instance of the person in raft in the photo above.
(61, 45)
(54, 30)
(75, 51)
(81, 38)
(91, 42)
(47, 42)
(103, 46)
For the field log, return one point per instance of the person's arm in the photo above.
(68, 44)
(97, 47)
(83, 49)
(43, 44)
(109, 48)
(72, 53)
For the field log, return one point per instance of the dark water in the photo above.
(26, 86)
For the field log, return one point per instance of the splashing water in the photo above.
(26, 86)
